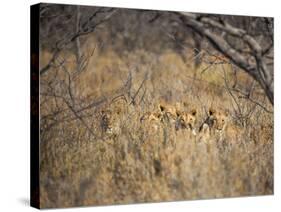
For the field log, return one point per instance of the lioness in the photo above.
(111, 117)
(164, 114)
(109, 122)
(218, 123)
(169, 114)
(187, 120)
(216, 120)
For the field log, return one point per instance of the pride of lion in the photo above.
(180, 116)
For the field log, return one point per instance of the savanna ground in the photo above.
(81, 163)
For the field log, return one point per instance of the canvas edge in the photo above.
(34, 104)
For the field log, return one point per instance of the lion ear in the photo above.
(161, 107)
(178, 113)
(193, 112)
(211, 111)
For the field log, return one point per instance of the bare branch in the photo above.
(258, 69)
(86, 28)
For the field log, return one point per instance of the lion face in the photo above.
(109, 122)
(188, 119)
(219, 117)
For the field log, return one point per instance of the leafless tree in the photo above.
(64, 25)
(250, 47)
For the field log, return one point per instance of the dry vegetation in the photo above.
(136, 163)
(95, 150)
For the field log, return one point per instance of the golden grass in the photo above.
(139, 164)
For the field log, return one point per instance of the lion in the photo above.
(109, 122)
(218, 122)
(187, 120)
(164, 114)
(169, 112)
(112, 114)
(174, 116)
(220, 119)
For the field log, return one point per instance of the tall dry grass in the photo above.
(83, 164)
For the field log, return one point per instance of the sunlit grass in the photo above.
(140, 165)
